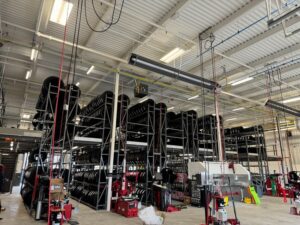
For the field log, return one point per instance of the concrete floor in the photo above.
(272, 211)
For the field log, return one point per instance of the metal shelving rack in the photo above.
(207, 136)
(141, 147)
(95, 147)
(45, 123)
(249, 143)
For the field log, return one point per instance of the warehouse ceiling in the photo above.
(244, 46)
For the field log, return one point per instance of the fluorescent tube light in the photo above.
(4, 154)
(33, 55)
(143, 100)
(77, 84)
(171, 108)
(90, 69)
(26, 116)
(175, 53)
(61, 11)
(234, 83)
(238, 109)
(291, 100)
(231, 119)
(196, 96)
(28, 74)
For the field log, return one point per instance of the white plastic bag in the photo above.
(148, 216)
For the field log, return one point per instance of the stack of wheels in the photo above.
(26, 194)
(31, 172)
(29, 178)
(160, 123)
(191, 125)
(138, 118)
(77, 191)
(91, 197)
(175, 125)
(79, 176)
(47, 103)
(123, 103)
(94, 118)
(140, 193)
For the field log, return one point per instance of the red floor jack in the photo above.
(125, 204)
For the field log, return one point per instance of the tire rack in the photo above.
(207, 137)
(140, 141)
(178, 151)
(46, 125)
(249, 143)
(85, 145)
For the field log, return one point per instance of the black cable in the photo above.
(77, 41)
(73, 43)
(100, 18)
(108, 27)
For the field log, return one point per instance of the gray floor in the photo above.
(271, 211)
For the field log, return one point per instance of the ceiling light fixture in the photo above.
(237, 82)
(12, 144)
(28, 74)
(11, 148)
(171, 108)
(231, 119)
(61, 11)
(77, 84)
(196, 96)
(174, 54)
(90, 69)
(151, 65)
(143, 100)
(238, 109)
(291, 100)
(26, 116)
(33, 55)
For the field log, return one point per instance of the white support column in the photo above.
(112, 144)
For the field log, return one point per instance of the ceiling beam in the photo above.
(176, 9)
(262, 36)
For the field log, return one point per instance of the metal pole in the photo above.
(112, 144)
(281, 150)
(220, 146)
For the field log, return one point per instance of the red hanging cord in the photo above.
(55, 118)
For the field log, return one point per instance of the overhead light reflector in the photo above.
(291, 100)
(234, 83)
(33, 55)
(238, 109)
(28, 74)
(171, 108)
(174, 54)
(196, 96)
(90, 69)
(61, 11)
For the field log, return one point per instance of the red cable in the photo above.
(55, 118)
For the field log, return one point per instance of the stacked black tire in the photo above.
(29, 182)
(86, 184)
(46, 106)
